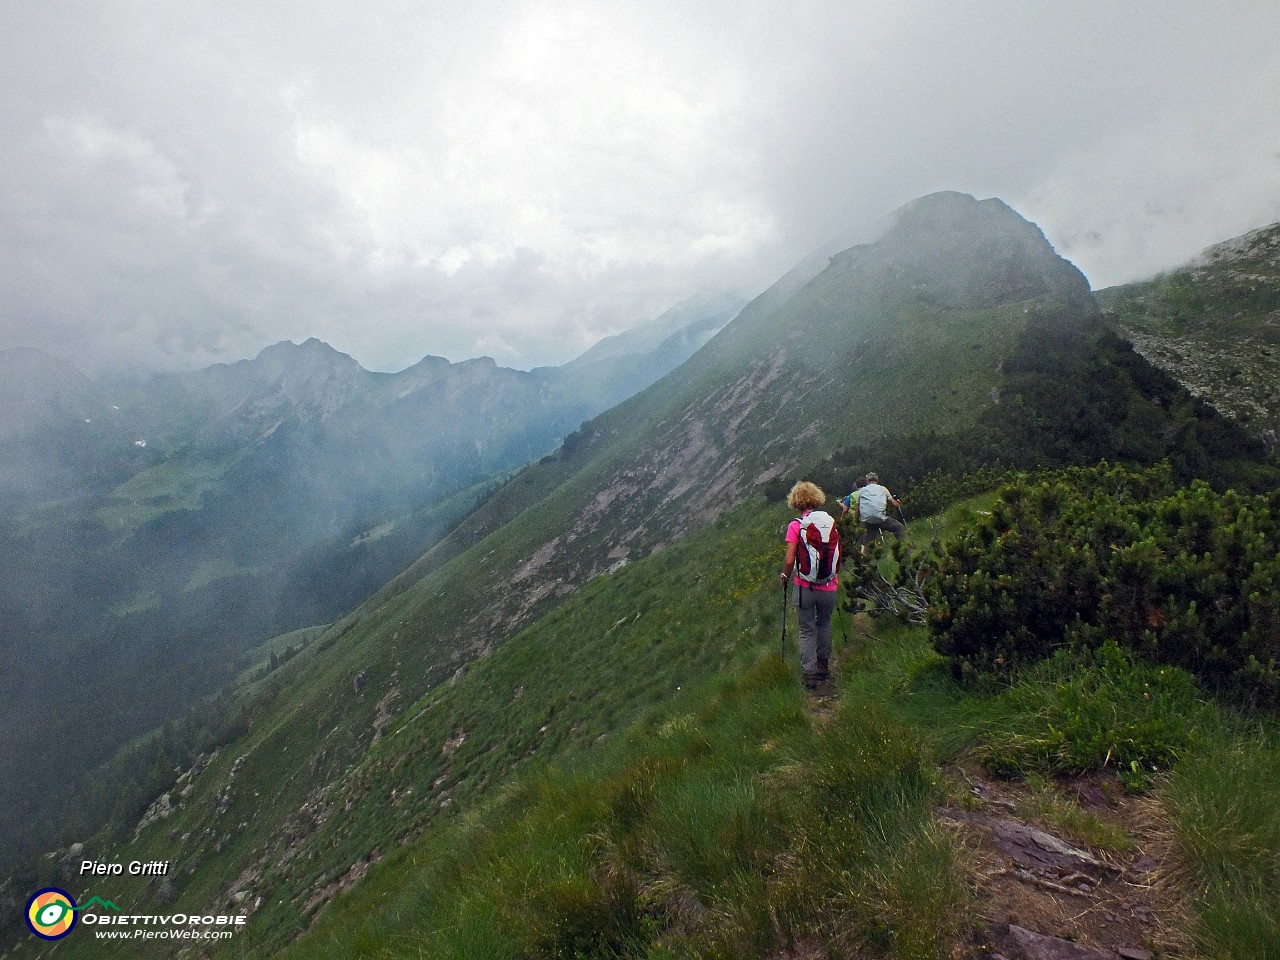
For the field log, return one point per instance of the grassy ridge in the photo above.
(729, 821)
(733, 825)
(636, 770)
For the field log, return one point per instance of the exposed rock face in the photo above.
(1214, 325)
(161, 809)
(1040, 897)
(1037, 946)
(1240, 380)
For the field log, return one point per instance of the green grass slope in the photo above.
(726, 819)
(634, 771)
(621, 649)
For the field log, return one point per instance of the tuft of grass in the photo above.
(1223, 800)
(891, 875)
(1108, 712)
(918, 896)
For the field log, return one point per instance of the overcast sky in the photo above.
(187, 182)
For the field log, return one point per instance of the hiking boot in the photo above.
(823, 673)
(811, 682)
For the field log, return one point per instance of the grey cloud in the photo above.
(188, 183)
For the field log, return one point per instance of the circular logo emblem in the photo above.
(51, 914)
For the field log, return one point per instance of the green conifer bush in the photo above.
(1179, 575)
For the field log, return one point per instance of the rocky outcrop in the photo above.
(1047, 861)
(1029, 945)
(1214, 326)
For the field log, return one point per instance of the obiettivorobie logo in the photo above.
(52, 913)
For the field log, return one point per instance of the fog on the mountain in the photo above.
(159, 529)
(187, 185)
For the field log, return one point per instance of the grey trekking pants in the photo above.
(887, 524)
(814, 609)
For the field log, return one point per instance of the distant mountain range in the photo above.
(154, 533)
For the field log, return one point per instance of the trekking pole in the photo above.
(782, 650)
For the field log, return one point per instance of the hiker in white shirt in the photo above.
(873, 506)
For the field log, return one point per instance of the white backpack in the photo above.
(818, 552)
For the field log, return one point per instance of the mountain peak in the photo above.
(948, 213)
(969, 254)
(311, 351)
(701, 315)
(1258, 249)
(32, 362)
(312, 360)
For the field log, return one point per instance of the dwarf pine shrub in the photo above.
(1179, 575)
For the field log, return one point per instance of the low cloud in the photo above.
(186, 185)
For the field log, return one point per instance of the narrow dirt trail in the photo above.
(1039, 889)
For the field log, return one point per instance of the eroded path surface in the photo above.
(1058, 869)
(1043, 894)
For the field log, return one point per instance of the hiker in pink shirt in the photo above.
(812, 564)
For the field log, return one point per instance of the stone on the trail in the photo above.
(1037, 946)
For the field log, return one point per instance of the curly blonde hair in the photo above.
(806, 496)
